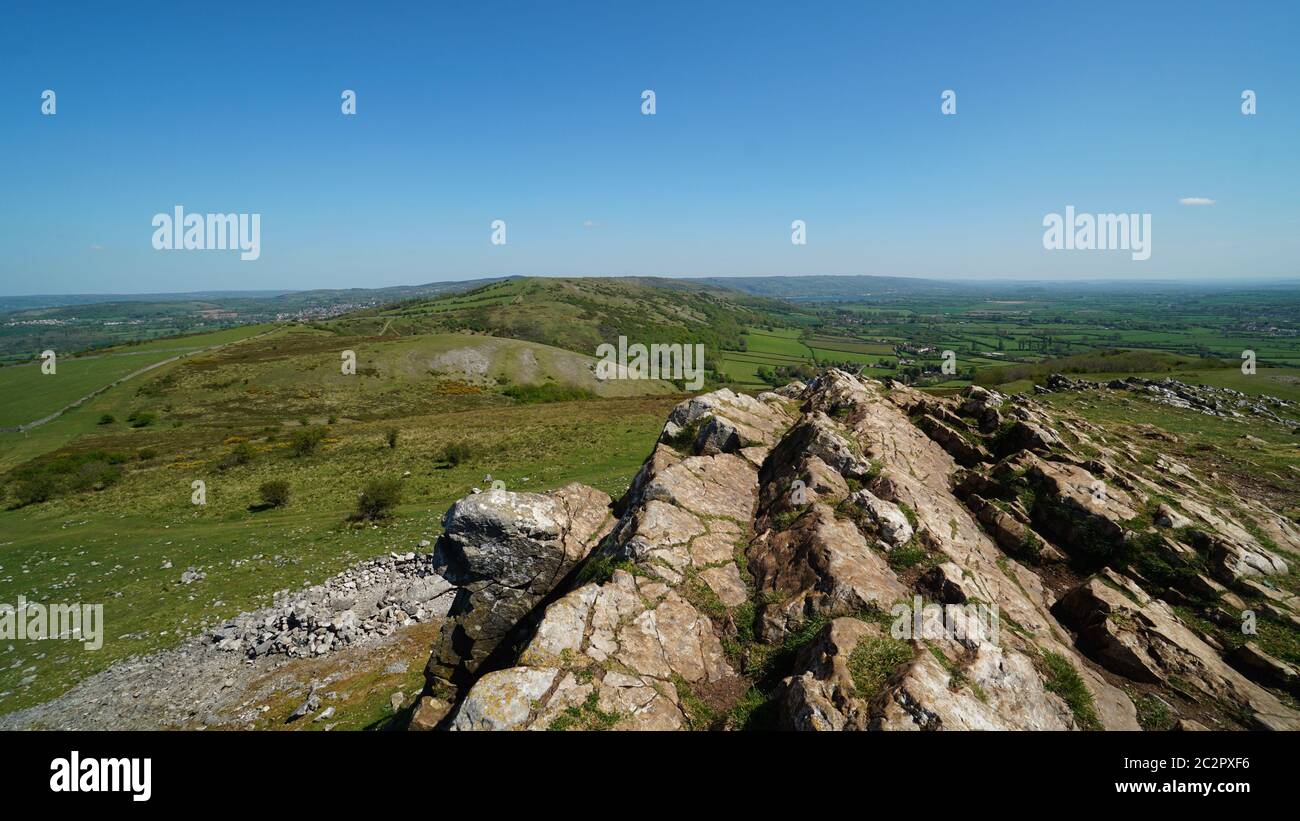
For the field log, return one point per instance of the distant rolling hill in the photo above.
(579, 314)
(520, 340)
(830, 287)
(81, 322)
(266, 300)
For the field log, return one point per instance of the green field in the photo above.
(771, 348)
(1008, 334)
(1044, 325)
(30, 394)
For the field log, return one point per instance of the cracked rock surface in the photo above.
(850, 554)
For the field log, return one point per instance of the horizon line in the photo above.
(1225, 281)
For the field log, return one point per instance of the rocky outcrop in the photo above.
(505, 552)
(1026, 434)
(983, 406)
(852, 554)
(857, 676)
(1085, 514)
(971, 681)
(623, 648)
(964, 450)
(1011, 528)
(886, 519)
(724, 421)
(821, 566)
(1207, 399)
(1141, 638)
(1260, 667)
(825, 695)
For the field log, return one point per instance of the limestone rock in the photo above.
(727, 422)
(1141, 638)
(1263, 668)
(822, 695)
(503, 700)
(505, 551)
(821, 565)
(970, 681)
(890, 521)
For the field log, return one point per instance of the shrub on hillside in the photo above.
(141, 419)
(35, 489)
(95, 474)
(455, 453)
(107, 419)
(305, 441)
(240, 454)
(547, 392)
(378, 498)
(391, 437)
(274, 493)
(65, 472)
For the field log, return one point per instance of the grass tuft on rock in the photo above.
(586, 716)
(874, 660)
(1065, 681)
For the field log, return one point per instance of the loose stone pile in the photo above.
(208, 679)
(373, 597)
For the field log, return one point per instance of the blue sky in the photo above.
(530, 113)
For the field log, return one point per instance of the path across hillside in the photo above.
(83, 400)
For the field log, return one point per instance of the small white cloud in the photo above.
(1196, 201)
(96, 247)
(590, 224)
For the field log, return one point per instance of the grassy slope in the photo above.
(299, 374)
(92, 546)
(294, 372)
(579, 314)
(435, 389)
(30, 394)
(118, 402)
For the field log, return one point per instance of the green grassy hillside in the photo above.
(30, 394)
(96, 502)
(579, 314)
(109, 542)
(296, 374)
